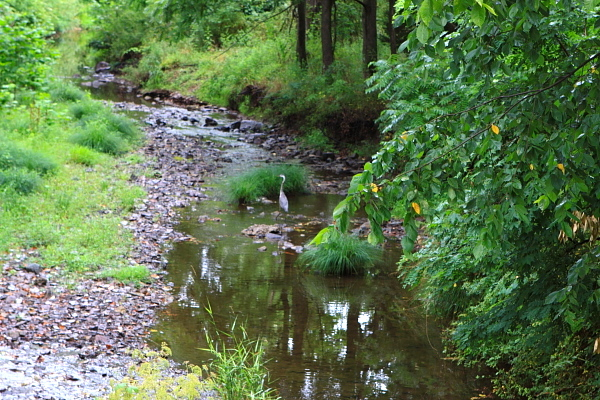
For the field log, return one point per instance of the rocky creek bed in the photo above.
(67, 340)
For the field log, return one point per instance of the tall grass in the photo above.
(341, 254)
(238, 368)
(265, 182)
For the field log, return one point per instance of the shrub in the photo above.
(341, 254)
(265, 181)
(125, 127)
(20, 180)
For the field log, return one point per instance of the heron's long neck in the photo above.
(282, 182)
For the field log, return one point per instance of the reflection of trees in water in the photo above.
(328, 337)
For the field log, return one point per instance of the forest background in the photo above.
(481, 119)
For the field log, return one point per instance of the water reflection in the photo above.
(327, 337)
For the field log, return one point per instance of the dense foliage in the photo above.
(24, 56)
(494, 150)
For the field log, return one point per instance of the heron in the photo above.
(283, 201)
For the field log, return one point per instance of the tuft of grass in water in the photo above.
(266, 182)
(238, 367)
(128, 274)
(341, 254)
(149, 378)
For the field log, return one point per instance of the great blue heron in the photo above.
(283, 201)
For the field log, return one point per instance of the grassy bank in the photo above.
(62, 192)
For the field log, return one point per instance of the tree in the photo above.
(369, 23)
(326, 33)
(495, 148)
(301, 53)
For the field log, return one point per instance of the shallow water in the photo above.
(325, 337)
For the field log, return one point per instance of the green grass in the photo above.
(51, 200)
(265, 181)
(238, 368)
(129, 274)
(341, 254)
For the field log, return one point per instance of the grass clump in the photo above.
(265, 182)
(129, 274)
(84, 156)
(341, 254)
(20, 180)
(61, 91)
(102, 130)
(14, 156)
(238, 368)
(149, 378)
(97, 135)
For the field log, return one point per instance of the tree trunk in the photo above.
(391, 29)
(369, 34)
(326, 34)
(301, 39)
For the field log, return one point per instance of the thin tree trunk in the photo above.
(391, 29)
(326, 35)
(369, 34)
(301, 39)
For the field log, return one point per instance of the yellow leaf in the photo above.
(416, 207)
(374, 188)
(495, 129)
(531, 167)
(561, 167)
(597, 346)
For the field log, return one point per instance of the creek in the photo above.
(325, 337)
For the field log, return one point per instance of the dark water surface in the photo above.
(325, 337)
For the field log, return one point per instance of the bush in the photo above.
(86, 109)
(20, 180)
(266, 182)
(341, 254)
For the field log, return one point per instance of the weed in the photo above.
(265, 181)
(149, 378)
(341, 254)
(238, 371)
(86, 109)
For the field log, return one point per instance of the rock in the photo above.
(33, 267)
(251, 126)
(208, 121)
(102, 66)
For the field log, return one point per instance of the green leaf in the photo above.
(478, 15)
(422, 33)
(426, 11)
(479, 251)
